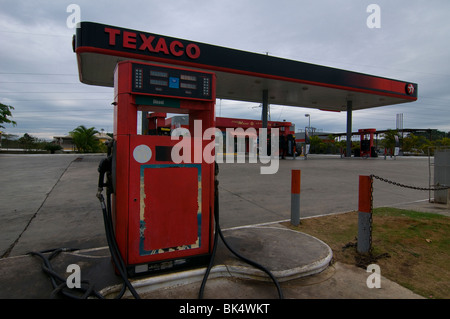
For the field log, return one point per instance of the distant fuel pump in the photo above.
(162, 211)
(367, 149)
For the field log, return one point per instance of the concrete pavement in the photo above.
(25, 183)
(53, 198)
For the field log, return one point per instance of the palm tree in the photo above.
(5, 114)
(85, 140)
(389, 140)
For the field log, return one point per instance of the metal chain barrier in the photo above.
(411, 187)
(364, 258)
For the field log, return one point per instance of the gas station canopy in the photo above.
(240, 75)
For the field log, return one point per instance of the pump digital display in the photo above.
(158, 82)
(151, 79)
(188, 77)
(158, 74)
(188, 86)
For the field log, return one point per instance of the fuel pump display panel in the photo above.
(162, 81)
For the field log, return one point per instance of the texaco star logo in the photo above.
(410, 89)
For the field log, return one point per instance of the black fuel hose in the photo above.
(59, 283)
(219, 232)
(216, 237)
(105, 167)
(87, 290)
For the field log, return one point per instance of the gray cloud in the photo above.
(39, 76)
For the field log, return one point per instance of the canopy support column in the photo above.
(265, 108)
(349, 129)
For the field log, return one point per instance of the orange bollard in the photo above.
(365, 215)
(365, 192)
(295, 197)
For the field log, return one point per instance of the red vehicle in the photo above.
(286, 129)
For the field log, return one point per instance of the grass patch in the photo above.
(411, 248)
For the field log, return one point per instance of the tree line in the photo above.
(414, 143)
(84, 139)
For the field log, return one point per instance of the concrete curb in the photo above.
(229, 270)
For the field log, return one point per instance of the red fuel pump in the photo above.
(162, 210)
(162, 214)
(366, 142)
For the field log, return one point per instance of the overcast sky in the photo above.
(39, 75)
